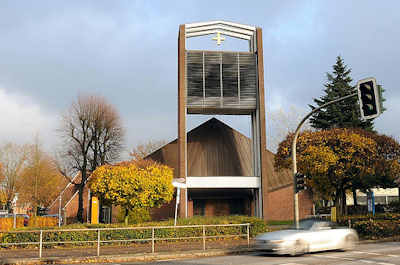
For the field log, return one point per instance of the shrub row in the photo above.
(376, 229)
(42, 221)
(257, 226)
(356, 218)
(7, 223)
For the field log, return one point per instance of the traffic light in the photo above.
(300, 182)
(368, 97)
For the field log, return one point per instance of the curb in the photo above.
(123, 258)
(147, 256)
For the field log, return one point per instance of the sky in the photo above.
(53, 51)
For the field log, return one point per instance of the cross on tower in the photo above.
(218, 38)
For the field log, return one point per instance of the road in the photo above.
(375, 253)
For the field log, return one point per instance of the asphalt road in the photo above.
(375, 253)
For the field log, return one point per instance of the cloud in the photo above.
(22, 119)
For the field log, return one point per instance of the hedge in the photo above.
(42, 221)
(257, 226)
(7, 223)
(374, 227)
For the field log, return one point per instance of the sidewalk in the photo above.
(123, 258)
(134, 252)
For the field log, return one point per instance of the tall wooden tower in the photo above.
(228, 83)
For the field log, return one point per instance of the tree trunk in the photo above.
(79, 214)
(339, 203)
(126, 216)
(355, 198)
(344, 203)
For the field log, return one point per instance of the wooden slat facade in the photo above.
(215, 149)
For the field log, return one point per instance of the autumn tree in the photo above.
(40, 181)
(133, 186)
(144, 149)
(337, 159)
(13, 158)
(93, 135)
(387, 172)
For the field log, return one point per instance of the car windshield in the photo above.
(305, 224)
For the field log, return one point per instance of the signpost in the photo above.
(371, 202)
(178, 184)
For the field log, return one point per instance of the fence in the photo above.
(99, 236)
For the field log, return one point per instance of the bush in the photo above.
(42, 221)
(256, 226)
(134, 217)
(7, 223)
(394, 206)
(343, 220)
(375, 229)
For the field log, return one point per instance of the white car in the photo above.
(311, 236)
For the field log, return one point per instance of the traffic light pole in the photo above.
(294, 161)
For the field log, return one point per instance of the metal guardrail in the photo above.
(151, 239)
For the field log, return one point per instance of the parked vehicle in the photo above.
(311, 236)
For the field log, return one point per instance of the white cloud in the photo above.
(21, 119)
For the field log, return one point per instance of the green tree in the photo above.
(133, 186)
(344, 114)
(340, 158)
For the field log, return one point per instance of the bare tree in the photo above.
(281, 123)
(93, 136)
(13, 158)
(143, 149)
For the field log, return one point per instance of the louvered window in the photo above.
(221, 82)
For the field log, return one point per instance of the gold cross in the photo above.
(218, 38)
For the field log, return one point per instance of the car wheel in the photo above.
(299, 248)
(350, 242)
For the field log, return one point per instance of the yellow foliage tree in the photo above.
(333, 159)
(133, 185)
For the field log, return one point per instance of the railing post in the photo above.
(152, 240)
(248, 235)
(98, 242)
(204, 237)
(40, 244)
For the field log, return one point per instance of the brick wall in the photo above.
(280, 204)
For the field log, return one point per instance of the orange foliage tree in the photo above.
(40, 181)
(339, 160)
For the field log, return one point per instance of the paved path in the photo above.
(376, 253)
